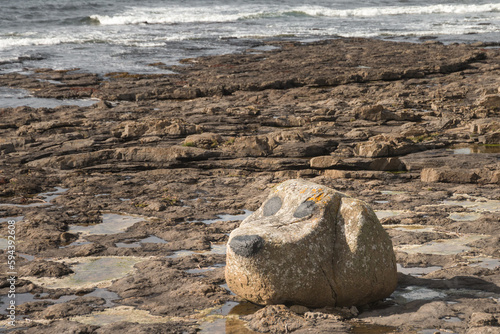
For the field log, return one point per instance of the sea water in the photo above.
(103, 36)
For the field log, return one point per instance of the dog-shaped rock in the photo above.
(311, 245)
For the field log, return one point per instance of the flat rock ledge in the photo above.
(311, 245)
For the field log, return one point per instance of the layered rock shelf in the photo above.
(411, 129)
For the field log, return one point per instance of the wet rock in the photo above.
(41, 268)
(313, 246)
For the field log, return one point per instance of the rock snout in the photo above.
(311, 245)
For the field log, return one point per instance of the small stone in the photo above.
(324, 162)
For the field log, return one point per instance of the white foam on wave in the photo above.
(172, 15)
(178, 14)
(9, 43)
(399, 10)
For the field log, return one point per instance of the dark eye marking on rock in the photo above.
(272, 206)
(305, 209)
(246, 245)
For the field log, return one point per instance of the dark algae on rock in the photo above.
(123, 209)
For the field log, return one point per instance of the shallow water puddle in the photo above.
(410, 228)
(108, 296)
(16, 219)
(475, 149)
(484, 262)
(183, 253)
(225, 319)
(412, 293)
(225, 218)
(392, 192)
(79, 242)
(474, 203)
(153, 240)
(14, 97)
(88, 272)
(452, 319)
(205, 269)
(215, 249)
(218, 249)
(118, 314)
(46, 199)
(22, 298)
(149, 240)
(362, 328)
(442, 247)
(417, 271)
(388, 213)
(464, 216)
(436, 330)
(112, 223)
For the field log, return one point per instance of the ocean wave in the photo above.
(400, 10)
(9, 43)
(170, 15)
(175, 15)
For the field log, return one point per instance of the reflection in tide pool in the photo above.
(388, 213)
(111, 223)
(417, 271)
(230, 322)
(215, 249)
(90, 272)
(412, 293)
(474, 203)
(475, 149)
(410, 228)
(149, 240)
(464, 216)
(442, 247)
(229, 217)
(485, 262)
(47, 198)
(119, 314)
(13, 98)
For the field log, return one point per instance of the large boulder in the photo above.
(311, 245)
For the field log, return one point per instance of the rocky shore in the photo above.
(123, 208)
